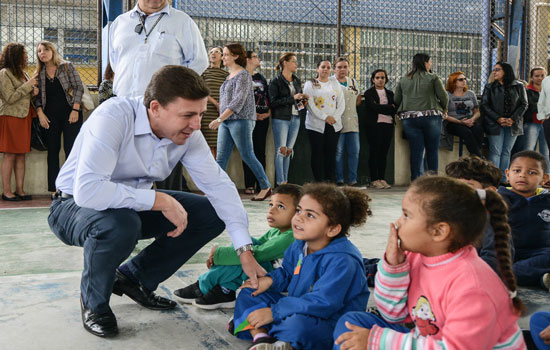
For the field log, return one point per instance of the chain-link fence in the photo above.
(466, 35)
(538, 34)
(70, 24)
(374, 34)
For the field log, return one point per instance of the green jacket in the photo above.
(269, 247)
(422, 92)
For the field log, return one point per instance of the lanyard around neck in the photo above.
(142, 20)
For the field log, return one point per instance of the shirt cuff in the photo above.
(375, 336)
(403, 267)
(239, 237)
(145, 199)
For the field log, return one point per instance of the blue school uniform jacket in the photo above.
(529, 218)
(325, 284)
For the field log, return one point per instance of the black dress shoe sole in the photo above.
(102, 335)
(119, 290)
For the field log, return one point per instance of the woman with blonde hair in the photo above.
(57, 104)
(16, 90)
(463, 112)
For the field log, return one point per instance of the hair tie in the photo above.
(513, 294)
(482, 194)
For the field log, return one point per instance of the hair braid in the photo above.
(499, 220)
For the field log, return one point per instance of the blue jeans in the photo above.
(423, 134)
(239, 133)
(534, 132)
(109, 236)
(365, 320)
(347, 142)
(500, 147)
(285, 133)
(538, 322)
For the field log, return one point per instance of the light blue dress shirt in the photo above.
(175, 39)
(116, 157)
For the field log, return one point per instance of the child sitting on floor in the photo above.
(322, 272)
(529, 217)
(431, 275)
(480, 174)
(216, 288)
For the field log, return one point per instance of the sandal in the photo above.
(250, 190)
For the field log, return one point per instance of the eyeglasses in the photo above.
(497, 69)
(293, 61)
(462, 79)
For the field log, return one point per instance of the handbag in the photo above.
(38, 136)
(87, 102)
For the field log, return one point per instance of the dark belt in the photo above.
(62, 195)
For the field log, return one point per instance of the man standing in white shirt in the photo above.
(105, 203)
(151, 35)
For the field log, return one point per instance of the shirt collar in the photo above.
(166, 9)
(142, 124)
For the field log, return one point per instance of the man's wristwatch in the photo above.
(244, 248)
(219, 120)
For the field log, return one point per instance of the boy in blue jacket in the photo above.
(529, 218)
(322, 272)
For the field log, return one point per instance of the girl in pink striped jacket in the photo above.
(432, 276)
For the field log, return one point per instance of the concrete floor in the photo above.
(39, 286)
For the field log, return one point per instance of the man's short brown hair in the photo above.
(171, 82)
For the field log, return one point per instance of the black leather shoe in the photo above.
(140, 294)
(102, 325)
(24, 197)
(10, 199)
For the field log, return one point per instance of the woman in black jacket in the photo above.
(286, 100)
(503, 104)
(380, 126)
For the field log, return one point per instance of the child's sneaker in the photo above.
(231, 326)
(216, 299)
(188, 294)
(546, 280)
(269, 343)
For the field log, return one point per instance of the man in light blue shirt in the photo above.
(105, 202)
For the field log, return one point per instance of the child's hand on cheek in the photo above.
(260, 317)
(394, 253)
(357, 339)
(264, 283)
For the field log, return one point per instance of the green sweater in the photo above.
(269, 247)
(422, 92)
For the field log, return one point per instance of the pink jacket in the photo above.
(455, 300)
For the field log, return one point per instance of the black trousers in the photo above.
(473, 137)
(259, 136)
(379, 137)
(59, 124)
(323, 153)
